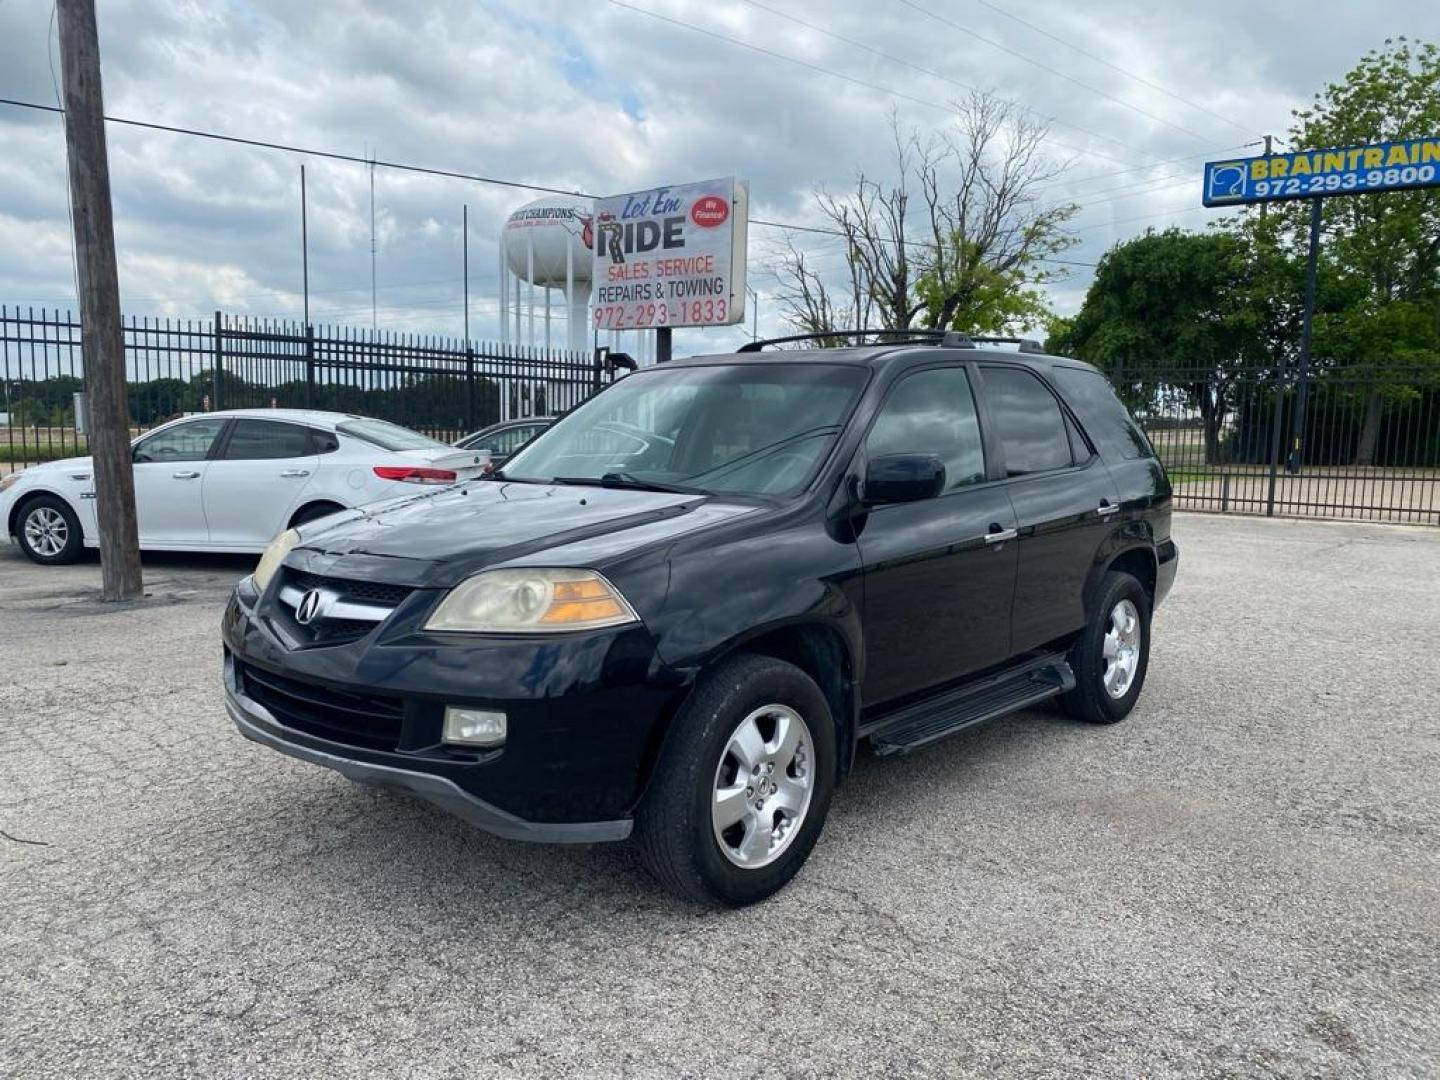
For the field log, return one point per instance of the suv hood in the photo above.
(438, 538)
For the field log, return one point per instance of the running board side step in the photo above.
(924, 723)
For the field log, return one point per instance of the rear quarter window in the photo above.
(1105, 417)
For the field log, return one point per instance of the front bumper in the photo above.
(256, 723)
(585, 715)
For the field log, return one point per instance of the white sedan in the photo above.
(230, 481)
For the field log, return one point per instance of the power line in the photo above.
(1114, 67)
(1141, 217)
(898, 94)
(935, 74)
(401, 166)
(329, 154)
(1046, 67)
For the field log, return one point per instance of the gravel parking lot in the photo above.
(1241, 880)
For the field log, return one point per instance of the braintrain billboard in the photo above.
(1308, 174)
(671, 256)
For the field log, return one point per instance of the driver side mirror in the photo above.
(902, 478)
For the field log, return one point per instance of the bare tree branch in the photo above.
(967, 253)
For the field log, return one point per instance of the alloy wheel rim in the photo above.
(1121, 649)
(46, 531)
(763, 785)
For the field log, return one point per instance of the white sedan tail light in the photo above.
(415, 474)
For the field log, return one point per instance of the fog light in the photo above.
(473, 727)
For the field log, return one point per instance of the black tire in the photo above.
(674, 835)
(1091, 700)
(314, 512)
(41, 509)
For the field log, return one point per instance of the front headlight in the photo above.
(7, 482)
(528, 601)
(274, 556)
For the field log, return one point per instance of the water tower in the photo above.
(546, 246)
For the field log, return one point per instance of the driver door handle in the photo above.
(188, 474)
(1106, 508)
(296, 472)
(998, 534)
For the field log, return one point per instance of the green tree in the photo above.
(1384, 248)
(1177, 309)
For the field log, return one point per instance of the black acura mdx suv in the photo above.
(676, 613)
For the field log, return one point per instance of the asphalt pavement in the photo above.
(1243, 879)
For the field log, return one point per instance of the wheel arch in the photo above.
(821, 651)
(818, 648)
(1138, 560)
(309, 504)
(12, 523)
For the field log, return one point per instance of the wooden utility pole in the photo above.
(102, 342)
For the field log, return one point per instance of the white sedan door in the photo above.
(169, 468)
(256, 481)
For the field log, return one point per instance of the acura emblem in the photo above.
(308, 607)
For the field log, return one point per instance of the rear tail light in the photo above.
(414, 474)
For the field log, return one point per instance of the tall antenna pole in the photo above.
(465, 243)
(374, 323)
(304, 246)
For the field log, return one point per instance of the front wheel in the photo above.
(49, 531)
(743, 784)
(1113, 653)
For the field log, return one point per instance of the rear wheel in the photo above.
(49, 531)
(1113, 653)
(743, 785)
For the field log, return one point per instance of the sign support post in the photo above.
(1302, 368)
(662, 344)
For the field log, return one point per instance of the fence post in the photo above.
(309, 366)
(1275, 436)
(470, 424)
(216, 369)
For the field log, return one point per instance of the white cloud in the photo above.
(596, 97)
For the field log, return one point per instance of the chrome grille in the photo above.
(323, 610)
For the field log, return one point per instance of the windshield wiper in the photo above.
(628, 481)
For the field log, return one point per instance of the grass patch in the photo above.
(29, 451)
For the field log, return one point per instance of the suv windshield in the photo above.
(756, 427)
(388, 436)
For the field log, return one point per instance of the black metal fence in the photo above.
(1370, 447)
(441, 386)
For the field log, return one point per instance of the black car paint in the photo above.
(821, 577)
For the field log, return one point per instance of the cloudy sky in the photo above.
(599, 96)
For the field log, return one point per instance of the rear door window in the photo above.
(1106, 419)
(259, 440)
(1028, 421)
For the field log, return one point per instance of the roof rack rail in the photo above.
(1027, 345)
(945, 338)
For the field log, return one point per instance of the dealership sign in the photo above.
(671, 256)
(1308, 174)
